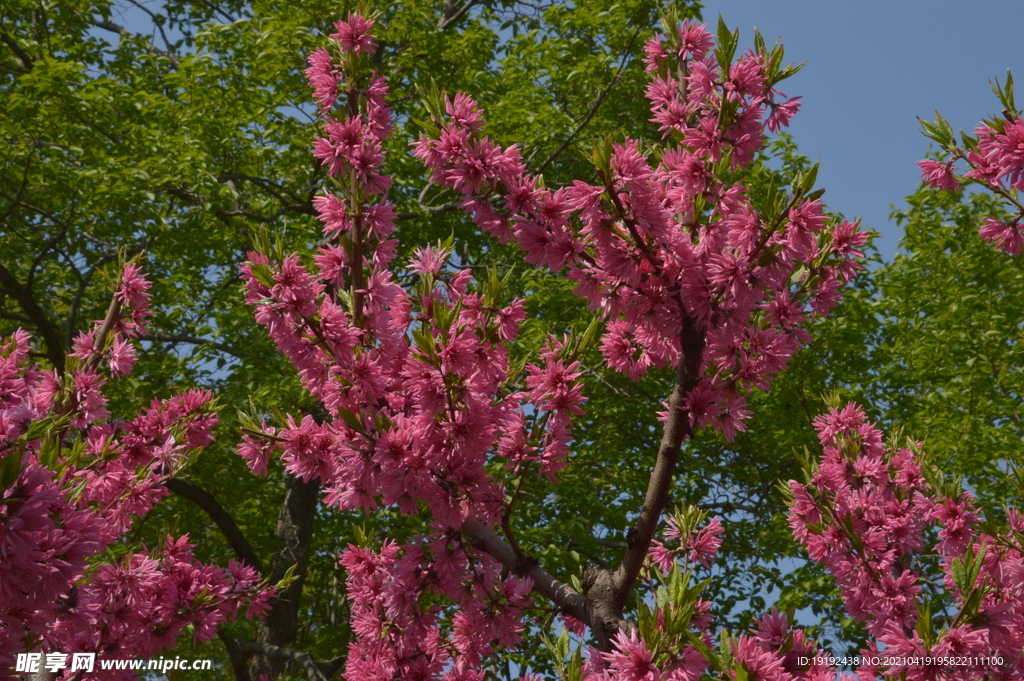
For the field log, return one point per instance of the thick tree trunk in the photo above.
(294, 531)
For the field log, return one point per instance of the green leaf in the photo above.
(10, 468)
(351, 420)
(809, 178)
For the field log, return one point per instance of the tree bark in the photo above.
(294, 532)
(44, 328)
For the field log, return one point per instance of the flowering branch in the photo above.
(561, 594)
(995, 158)
(418, 385)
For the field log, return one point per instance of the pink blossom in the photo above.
(428, 260)
(939, 175)
(354, 35)
(464, 112)
(662, 556)
(122, 357)
(631, 661)
(694, 39)
(782, 113)
(323, 78)
(706, 542)
(1006, 235)
(655, 54)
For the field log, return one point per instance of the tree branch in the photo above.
(221, 518)
(305, 208)
(616, 79)
(608, 592)
(194, 340)
(294, 532)
(558, 592)
(451, 14)
(235, 655)
(429, 209)
(156, 22)
(277, 190)
(315, 671)
(677, 429)
(197, 200)
(44, 327)
(26, 61)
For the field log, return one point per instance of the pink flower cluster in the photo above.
(73, 481)
(699, 547)
(777, 651)
(995, 158)
(864, 516)
(140, 605)
(421, 398)
(773, 651)
(45, 544)
(399, 635)
(666, 245)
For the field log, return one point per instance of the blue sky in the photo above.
(872, 67)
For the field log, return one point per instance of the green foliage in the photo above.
(949, 360)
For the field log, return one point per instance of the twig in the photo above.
(450, 15)
(616, 79)
(156, 22)
(194, 340)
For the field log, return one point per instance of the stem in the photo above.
(357, 261)
(111, 318)
(355, 196)
(677, 429)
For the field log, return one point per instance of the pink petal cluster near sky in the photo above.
(872, 68)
